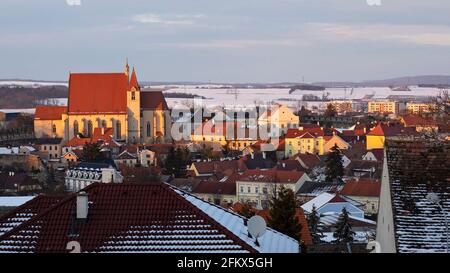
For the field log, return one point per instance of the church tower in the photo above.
(134, 108)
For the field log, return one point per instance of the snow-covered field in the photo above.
(217, 96)
(31, 83)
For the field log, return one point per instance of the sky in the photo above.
(233, 41)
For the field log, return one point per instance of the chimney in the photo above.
(264, 155)
(82, 205)
(252, 155)
(284, 165)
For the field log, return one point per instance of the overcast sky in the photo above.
(227, 40)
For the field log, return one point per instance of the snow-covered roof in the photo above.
(271, 242)
(14, 201)
(318, 201)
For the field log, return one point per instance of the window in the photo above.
(54, 129)
(149, 129)
(265, 190)
(56, 148)
(242, 189)
(256, 190)
(75, 128)
(103, 123)
(133, 96)
(118, 130)
(45, 148)
(50, 148)
(248, 189)
(89, 129)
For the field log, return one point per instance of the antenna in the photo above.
(256, 227)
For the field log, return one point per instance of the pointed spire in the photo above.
(127, 68)
(133, 80)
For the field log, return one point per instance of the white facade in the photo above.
(81, 177)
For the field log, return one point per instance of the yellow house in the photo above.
(279, 116)
(304, 140)
(49, 121)
(376, 137)
(331, 141)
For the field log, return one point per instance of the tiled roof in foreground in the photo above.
(140, 218)
(416, 168)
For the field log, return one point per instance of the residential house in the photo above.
(334, 203)
(279, 118)
(48, 121)
(13, 182)
(421, 124)
(377, 135)
(364, 191)
(87, 173)
(257, 186)
(217, 192)
(50, 149)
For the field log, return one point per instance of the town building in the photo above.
(376, 137)
(333, 203)
(87, 173)
(416, 108)
(364, 191)
(421, 124)
(280, 118)
(115, 101)
(257, 186)
(386, 106)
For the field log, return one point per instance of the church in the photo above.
(107, 100)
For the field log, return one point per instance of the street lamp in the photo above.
(434, 198)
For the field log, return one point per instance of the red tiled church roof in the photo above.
(49, 112)
(98, 93)
(153, 100)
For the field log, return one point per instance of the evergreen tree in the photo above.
(343, 233)
(282, 213)
(334, 169)
(176, 161)
(92, 152)
(314, 225)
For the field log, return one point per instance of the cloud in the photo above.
(239, 43)
(178, 19)
(73, 2)
(436, 35)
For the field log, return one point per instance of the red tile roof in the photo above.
(215, 187)
(26, 211)
(153, 100)
(378, 153)
(366, 188)
(98, 93)
(271, 176)
(148, 217)
(337, 199)
(309, 160)
(99, 135)
(383, 129)
(312, 132)
(211, 167)
(49, 112)
(416, 120)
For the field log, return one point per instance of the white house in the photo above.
(86, 173)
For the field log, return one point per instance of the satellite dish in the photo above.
(256, 226)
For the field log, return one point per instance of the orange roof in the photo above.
(362, 188)
(98, 135)
(98, 93)
(49, 112)
(415, 120)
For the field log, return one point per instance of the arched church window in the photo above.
(149, 129)
(118, 130)
(103, 123)
(89, 129)
(54, 128)
(133, 95)
(75, 128)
